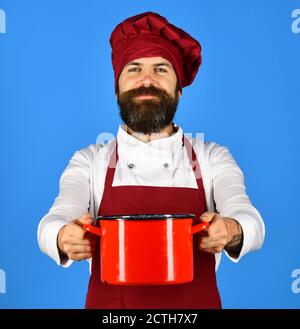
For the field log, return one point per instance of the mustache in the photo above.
(148, 91)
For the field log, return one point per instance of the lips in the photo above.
(145, 97)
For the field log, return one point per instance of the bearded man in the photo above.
(152, 168)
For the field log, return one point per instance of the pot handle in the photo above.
(199, 227)
(92, 229)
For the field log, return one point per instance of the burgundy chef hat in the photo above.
(151, 35)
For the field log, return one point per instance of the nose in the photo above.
(148, 80)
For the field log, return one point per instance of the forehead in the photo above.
(148, 61)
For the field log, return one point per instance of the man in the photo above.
(153, 60)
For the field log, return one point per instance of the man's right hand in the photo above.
(75, 243)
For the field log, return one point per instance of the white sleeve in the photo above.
(72, 202)
(231, 199)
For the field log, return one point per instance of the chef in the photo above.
(152, 167)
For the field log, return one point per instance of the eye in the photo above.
(161, 69)
(134, 69)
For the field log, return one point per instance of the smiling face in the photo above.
(148, 94)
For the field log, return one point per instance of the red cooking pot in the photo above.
(146, 249)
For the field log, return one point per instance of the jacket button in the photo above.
(130, 165)
(166, 165)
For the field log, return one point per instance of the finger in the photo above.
(207, 239)
(74, 231)
(207, 216)
(214, 250)
(208, 244)
(212, 243)
(85, 219)
(213, 235)
(80, 256)
(75, 248)
(216, 224)
(209, 232)
(215, 230)
(80, 242)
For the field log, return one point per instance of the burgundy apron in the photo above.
(202, 292)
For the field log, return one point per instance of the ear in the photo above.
(179, 93)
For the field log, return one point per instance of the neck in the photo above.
(146, 138)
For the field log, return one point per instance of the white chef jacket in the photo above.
(160, 162)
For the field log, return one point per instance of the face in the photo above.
(148, 94)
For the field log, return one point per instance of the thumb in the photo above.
(85, 219)
(207, 216)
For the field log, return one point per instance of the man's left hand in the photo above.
(223, 233)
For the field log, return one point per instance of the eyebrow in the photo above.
(163, 64)
(157, 64)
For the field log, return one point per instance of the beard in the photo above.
(149, 115)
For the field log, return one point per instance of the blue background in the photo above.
(57, 95)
